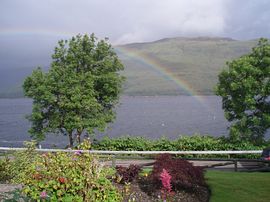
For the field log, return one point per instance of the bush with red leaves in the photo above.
(184, 174)
(128, 174)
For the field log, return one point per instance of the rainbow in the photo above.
(138, 56)
(159, 68)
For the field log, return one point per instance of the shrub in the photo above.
(69, 177)
(127, 143)
(182, 143)
(12, 167)
(128, 174)
(183, 174)
(5, 175)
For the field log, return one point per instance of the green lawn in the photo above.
(238, 186)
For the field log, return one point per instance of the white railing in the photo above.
(136, 152)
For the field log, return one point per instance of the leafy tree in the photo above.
(79, 91)
(245, 91)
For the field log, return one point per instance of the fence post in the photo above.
(113, 161)
(235, 166)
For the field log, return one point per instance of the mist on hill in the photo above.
(163, 67)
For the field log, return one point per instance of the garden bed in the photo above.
(169, 180)
(142, 190)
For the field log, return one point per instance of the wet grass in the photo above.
(239, 186)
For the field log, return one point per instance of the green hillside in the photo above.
(173, 66)
(164, 67)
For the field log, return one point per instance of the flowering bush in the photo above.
(183, 174)
(68, 177)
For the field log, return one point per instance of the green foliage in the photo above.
(183, 143)
(126, 143)
(4, 173)
(245, 91)
(68, 177)
(13, 166)
(79, 91)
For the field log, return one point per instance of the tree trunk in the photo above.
(79, 137)
(70, 140)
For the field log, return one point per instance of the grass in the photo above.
(238, 186)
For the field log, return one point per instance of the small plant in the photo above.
(127, 174)
(183, 174)
(166, 189)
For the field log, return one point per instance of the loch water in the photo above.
(148, 116)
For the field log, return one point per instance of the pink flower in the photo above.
(62, 180)
(165, 178)
(43, 194)
(78, 152)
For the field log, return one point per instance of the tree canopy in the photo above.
(79, 92)
(245, 90)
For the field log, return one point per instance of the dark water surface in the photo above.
(150, 117)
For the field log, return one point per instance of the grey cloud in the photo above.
(139, 20)
(248, 19)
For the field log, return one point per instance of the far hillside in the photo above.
(167, 66)
(173, 66)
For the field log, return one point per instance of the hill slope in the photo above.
(178, 65)
(174, 66)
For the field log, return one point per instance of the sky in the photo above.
(30, 29)
(127, 21)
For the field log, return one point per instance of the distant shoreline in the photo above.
(129, 95)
